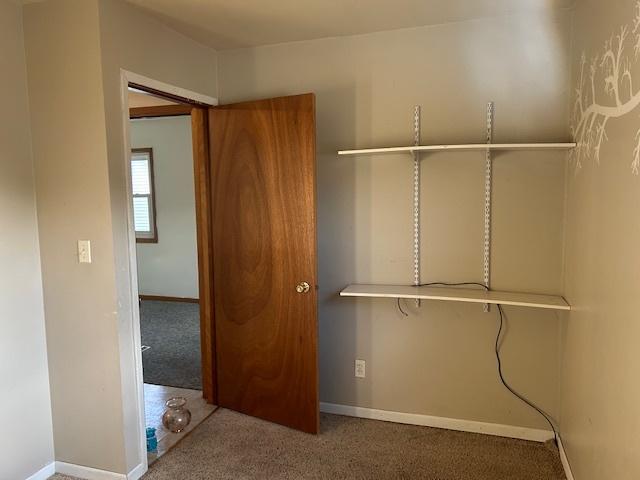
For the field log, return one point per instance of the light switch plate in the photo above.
(84, 251)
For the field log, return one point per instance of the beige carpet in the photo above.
(229, 445)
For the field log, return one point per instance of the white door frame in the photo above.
(126, 78)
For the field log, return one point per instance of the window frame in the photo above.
(152, 197)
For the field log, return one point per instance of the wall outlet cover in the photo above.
(84, 251)
(360, 368)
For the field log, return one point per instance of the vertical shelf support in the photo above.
(487, 204)
(416, 199)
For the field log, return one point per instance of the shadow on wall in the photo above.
(338, 244)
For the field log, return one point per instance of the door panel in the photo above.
(264, 242)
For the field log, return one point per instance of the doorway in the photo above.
(164, 221)
(254, 176)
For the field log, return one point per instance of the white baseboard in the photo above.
(496, 429)
(137, 472)
(44, 473)
(565, 461)
(87, 473)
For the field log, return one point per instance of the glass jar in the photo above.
(152, 440)
(176, 417)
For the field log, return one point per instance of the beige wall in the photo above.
(439, 361)
(75, 50)
(132, 41)
(25, 401)
(66, 101)
(169, 267)
(600, 389)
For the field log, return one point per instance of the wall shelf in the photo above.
(486, 298)
(457, 295)
(463, 147)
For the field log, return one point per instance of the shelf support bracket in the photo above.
(487, 205)
(416, 199)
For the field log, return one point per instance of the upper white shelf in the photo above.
(457, 295)
(471, 146)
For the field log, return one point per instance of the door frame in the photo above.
(200, 102)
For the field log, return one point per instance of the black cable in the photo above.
(443, 284)
(508, 387)
(497, 350)
(400, 308)
(459, 284)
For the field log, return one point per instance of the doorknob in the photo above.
(302, 287)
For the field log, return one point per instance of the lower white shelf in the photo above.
(533, 300)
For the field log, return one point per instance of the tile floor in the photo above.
(155, 397)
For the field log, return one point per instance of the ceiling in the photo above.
(225, 24)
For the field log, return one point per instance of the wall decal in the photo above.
(591, 115)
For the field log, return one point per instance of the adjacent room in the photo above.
(164, 219)
(319, 240)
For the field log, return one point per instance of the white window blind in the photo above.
(142, 186)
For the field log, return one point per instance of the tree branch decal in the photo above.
(591, 114)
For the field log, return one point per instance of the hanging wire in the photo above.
(501, 318)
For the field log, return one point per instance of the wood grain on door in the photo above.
(264, 242)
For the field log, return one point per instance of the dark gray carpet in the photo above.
(172, 330)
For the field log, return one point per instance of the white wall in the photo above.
(26, 443)
(169, 267)
(439, 361)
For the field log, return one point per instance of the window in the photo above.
(144, 205)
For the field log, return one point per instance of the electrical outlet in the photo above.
(84, 251)
(360, 368)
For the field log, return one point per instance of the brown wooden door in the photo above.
(264, 245)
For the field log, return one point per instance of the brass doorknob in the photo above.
(302, 287)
